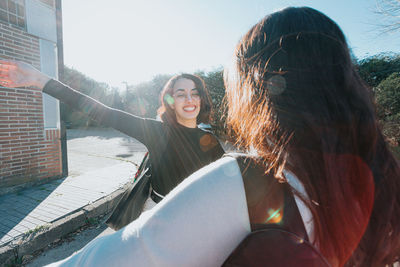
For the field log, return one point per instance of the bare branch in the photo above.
(390, 9)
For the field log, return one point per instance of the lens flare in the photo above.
(275, 216)
(207, 142)
(169, 99)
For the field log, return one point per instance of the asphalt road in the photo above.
(93, 148)
(69, 244)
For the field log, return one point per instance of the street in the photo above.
(71, 243)
(93, 148)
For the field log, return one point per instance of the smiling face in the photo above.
(186, 102)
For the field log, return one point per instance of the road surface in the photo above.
(87, 150)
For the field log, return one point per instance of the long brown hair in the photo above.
(167, 114)
(295, 96)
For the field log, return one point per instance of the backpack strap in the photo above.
(271, 204)
(144, 166)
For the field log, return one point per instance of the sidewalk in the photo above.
(33, 218)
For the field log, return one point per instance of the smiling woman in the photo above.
(176, 145)
(185, 101)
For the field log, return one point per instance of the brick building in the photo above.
(31, 148)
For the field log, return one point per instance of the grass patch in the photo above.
(16, 262)
(92, 221)
(44, 189)
(37, 229)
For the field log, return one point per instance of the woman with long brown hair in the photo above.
(294, 98)
(301, 104)
(176, 145)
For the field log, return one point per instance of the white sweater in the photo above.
(199, 223)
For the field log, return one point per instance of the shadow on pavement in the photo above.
(24, 212)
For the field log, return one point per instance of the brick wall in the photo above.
(28, 152)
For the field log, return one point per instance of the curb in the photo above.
(28, 245)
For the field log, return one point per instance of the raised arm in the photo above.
(20, 74)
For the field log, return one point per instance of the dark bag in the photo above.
(130, 206)
(275, 247)
(273, 244)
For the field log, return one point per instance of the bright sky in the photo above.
(114, 41)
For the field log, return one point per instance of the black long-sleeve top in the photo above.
(175, 151)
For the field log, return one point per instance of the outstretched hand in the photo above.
(20, 74)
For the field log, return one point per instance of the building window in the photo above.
(50, 3)
(13, 12)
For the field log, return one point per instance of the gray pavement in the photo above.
(101, 164)
(90, 148)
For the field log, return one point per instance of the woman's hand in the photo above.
(20, 74)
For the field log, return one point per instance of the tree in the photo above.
(144, 99)
(388, 97)
(390, 9)
(215, 84)
(376, 68)
(114, 98)
(98, 90)
(388, 106)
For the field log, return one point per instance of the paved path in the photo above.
(101, 162)
(89, 149)
(34, 209)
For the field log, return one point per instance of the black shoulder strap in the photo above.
(143, 167)
(261, 187)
